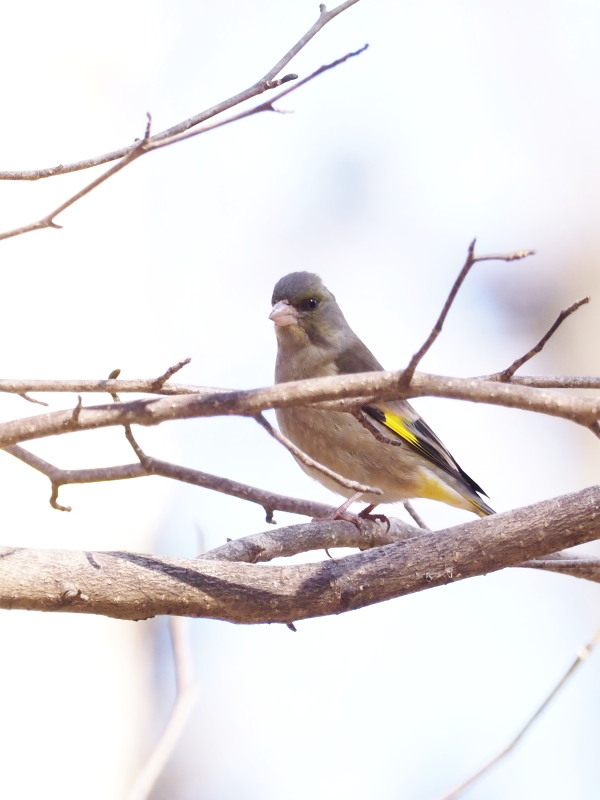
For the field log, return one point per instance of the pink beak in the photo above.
(283, 314)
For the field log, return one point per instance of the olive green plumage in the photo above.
(315, 340)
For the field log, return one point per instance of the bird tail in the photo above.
(462, 496)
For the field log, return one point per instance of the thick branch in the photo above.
(316, 535)
(384, 385)
(134, 586)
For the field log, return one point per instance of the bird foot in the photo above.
(366, 514)
(356, 519)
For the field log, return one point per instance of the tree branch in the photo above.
(507, 374)
(310, 462)
(270, 501)
(266, 83)
(184, 704)
(581, 657)
(437, 328)
(567, 564)
(357, 389)
(135, 586)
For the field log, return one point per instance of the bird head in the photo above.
(303, 307)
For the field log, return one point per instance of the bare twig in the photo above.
(148, 144)
(581, 657)
(266, 106)
(568, 564)
(305, 459)
(361, 416)
(507, 374)
(436, 330)
(158, 384)
(281, 542)
(270, 501)
(267, 82)
(410, 509)
(186, 692)
(48, 220)
(551, 381)
(33, 400)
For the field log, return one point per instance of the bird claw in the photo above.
(366, 514)
(342, 513)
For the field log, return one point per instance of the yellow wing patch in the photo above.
(398, 425)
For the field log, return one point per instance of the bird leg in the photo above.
(340, 513)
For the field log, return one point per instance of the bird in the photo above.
(395, 450)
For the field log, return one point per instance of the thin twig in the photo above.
(507, 373)
(305, 459)
(186, 690)
(267, 106)
(361, 416)
(148, 144)
(546, 381)
(436, 330)
(48, 220)
(415, 515)
(33, 400)
(581, 657)
(168, 374)
(270, 501)
(316, 538)
(567, 564)
(266, 83)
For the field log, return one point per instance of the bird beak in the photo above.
(283, 314)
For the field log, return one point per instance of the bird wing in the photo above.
(408, 427)
(398, 420)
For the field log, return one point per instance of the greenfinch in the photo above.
(406, 459)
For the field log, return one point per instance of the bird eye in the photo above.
(309, 304)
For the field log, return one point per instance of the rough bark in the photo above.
(136, 586)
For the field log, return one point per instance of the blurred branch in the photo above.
(184, 703)
(581, 657)
(266, 83)
(137, 586)
(568, 564)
